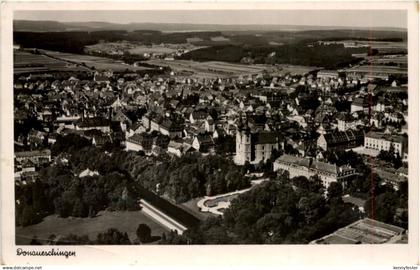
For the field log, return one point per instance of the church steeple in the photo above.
(246, 128)
(240, 124)
(243, 126)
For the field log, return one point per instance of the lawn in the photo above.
(124, 221)
(215, 202)
(100, 63)
(191, 207)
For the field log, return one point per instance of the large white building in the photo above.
(254, 147)
(381, 141)
(308, 167)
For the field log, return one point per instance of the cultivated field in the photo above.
(382, 46)
(378, 69)
(99, 63)
(25, 62)
(137, 48)
(211, 69)
(151, 50)
(214, 69)
(401, 60)
(124, 221)
(295, 70)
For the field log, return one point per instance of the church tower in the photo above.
(243, 142)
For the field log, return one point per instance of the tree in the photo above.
(143, 233)
(35, 241)
(73, 239)
(312, 207)
(382, 207)
(335, 190)
(216, 235)
(112, 237)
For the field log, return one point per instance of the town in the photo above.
(210, 152)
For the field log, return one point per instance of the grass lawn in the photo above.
(191, 207)
(124, 221)
(215, 202)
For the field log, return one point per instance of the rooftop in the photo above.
(33, 153)
(364, 231)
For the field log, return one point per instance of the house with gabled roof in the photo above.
(340, 139)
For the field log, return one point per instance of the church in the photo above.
(254, 147)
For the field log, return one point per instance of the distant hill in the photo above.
(39, 26)
(49, 26)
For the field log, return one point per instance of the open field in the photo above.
(401, 60)
(137, 48)
(99, 63)
(295, 70)
(124, 221)
(378, 69)
(25, 62)
(382, 46)
(211, 69)
(151, 50)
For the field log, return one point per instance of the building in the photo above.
(198, 115)
(340, 140)
(163, 125)
(37, 157)
(97, 123)
(101, 140)
(346, 121)
(380, 141)
(364, 231)
(178, 148)
(360, 104)
(327, 74)
(390, 176)
(203, 142)
(140, 142)
(308, 167)
(254, 147)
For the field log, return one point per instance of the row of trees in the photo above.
(190, 176)
(181, 179)
(110, 237)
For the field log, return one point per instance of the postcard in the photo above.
(209, 133)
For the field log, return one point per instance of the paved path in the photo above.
(222, 204)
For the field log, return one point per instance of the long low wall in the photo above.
(162, 218)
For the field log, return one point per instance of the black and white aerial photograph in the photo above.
(210, 127)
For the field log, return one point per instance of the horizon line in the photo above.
(216, 24)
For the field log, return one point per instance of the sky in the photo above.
(355, 18)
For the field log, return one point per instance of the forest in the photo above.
(278, 212)
(292, 211)
(283, 210)
(122, 179)
(235, 47)
(75, 41)
(327, 56)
